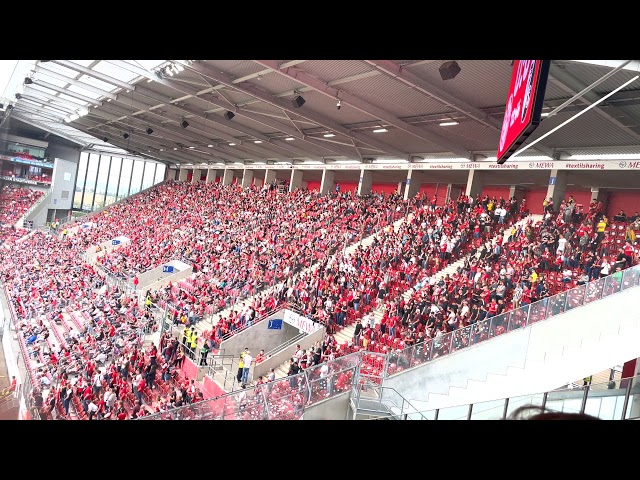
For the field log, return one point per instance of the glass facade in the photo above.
(104, 179)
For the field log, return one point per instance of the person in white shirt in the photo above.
(561, 243)
(605, 268)
(92, 409)
(247, 366)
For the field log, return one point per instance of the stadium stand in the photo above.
(84, 338)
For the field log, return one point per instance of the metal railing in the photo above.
(370, 369)
(283, 399)
(613, 400)
(514, 319)
(379, 402)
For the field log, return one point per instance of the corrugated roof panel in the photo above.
(492, 90)
(82, 91)
(38, 88)
(588, 130)
(84, 63)
(330, 70)
(67, 72)
(275, 84)
(118, 73)
(326, 106)
(107, 87)
(234, 68)
(80, 103)
(394, 96)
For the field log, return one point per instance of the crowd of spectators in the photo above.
(14, 202)
(241, 241)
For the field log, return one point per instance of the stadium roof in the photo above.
(230, 111)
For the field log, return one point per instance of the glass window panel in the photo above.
(90, 185)
(125, 178)
(136, 179)
(101, 183)
(149, 175)
(80, 177)
(160, 170)
(114, 177)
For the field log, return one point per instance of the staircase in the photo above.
(346, 334)
(32, 210)
(365, 242)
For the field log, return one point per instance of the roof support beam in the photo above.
(393, 70)
(419, 84)
(66, 92)
(286, 106)
(166, 134)
(94, 74)
(34, 92)
(323, 87)
(613, 114)
(46, 128)
(293, 132)
(40, 70)
(49, 116)
(188, 90)
(142, 144)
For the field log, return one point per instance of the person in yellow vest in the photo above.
(186, 337)
(193, 344)
(241, 365)
(147, 302)
(587, 380)
(64, 233)
(534, 277)
(600, 228)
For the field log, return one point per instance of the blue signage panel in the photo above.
(552, 180)
(115, 242)
(167, 269)
(275, 324)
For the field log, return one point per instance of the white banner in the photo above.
(513, 165)
(301, 323)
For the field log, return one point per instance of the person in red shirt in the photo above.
(260, 357)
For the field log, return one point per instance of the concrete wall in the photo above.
(63, 180)
(286, 354)
(92, 252)
(334, 408)
(156, 277)
(539, 358)
(258, 337)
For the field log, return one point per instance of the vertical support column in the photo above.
(400, 188)
(515, 191)
(183, 175)
(247, 178)
(557, 186)
(296, 180)
(448, 197)
(212, 173)
(269, 176)
(598, 195)
(327, 183)
(475, 183)
(195, 177)
(412, 185)
(227, 177)
(366, 182)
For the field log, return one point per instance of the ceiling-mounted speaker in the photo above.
(298, 101)
(229, 115)
(449, 70)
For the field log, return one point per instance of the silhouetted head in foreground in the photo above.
(533, 412)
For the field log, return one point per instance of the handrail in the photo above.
(632, 274)
(381, 402)
(286, 344)
(31, 209)
(630, 384)
(522, 317)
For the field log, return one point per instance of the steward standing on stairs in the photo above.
(357, 332)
